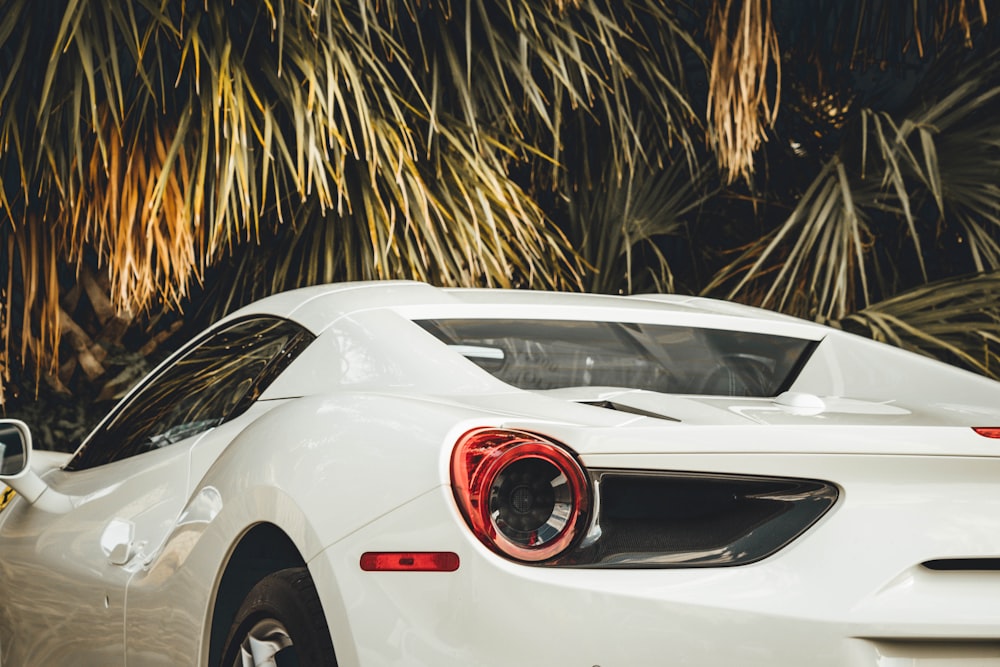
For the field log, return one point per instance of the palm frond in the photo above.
(956, 320)
(154, 139)
(531, 77)
(959, 142)
(894, 190)
(31, 312)
(814, 263)
(740, 105)
(620, 225)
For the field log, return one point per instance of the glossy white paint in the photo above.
(348, 452)
(833, 598)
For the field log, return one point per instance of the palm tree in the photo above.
(836, 162)
(883, 174)
(147, 142)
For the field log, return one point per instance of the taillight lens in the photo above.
(524, 496)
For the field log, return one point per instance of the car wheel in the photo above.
(280, 623)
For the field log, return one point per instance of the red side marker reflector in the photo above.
(409, 561)
(987, 431)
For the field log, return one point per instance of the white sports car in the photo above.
(377, 474)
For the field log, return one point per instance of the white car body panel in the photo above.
(348, 451)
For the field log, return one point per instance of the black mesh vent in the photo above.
(695, 520)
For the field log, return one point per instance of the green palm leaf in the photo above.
(153, 140)
(957, 320)
(892, 191)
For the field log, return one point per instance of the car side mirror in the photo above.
(16, 472)
(15, 444)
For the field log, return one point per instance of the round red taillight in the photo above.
(524, 496)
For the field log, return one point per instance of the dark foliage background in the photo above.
(163, 163)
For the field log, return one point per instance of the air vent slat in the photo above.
(964, 565)
(620, 407)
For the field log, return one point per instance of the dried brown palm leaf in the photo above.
(31, 303)
(741, 105)
(154, 139)
(131, 210)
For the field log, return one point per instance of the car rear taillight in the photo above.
(987, 431)
(524, 496)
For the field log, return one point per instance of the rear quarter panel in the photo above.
(319, 468)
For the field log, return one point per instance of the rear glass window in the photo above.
(552, 354)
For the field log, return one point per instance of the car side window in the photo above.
(213, 382)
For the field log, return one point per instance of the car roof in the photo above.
(319, 306)
(372, 317)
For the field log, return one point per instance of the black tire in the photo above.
(282, 614)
